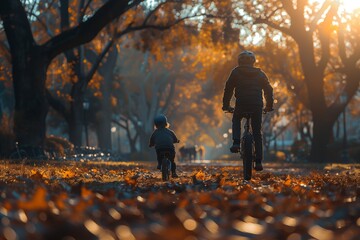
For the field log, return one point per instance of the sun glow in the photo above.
(350, 5)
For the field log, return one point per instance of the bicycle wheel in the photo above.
(247, 156)
(165, 169)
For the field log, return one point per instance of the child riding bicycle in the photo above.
(249, 84)
(163, 139)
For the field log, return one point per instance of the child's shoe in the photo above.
(258, 166)
(235, 148)
(174, 175)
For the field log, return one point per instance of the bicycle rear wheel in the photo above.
(247, 156)
(165, 171)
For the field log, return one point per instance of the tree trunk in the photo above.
(30, 106)
(103, 122)
(105, 116)
(322, 132)
(77, 116)
(313, 77)
(29, 65)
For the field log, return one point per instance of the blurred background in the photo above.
(173, 57)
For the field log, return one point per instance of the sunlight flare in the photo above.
(348, 5)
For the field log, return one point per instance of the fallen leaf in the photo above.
(37, 202)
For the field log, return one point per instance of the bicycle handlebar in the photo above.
(265, 111)
(231, 110)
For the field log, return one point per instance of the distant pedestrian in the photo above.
(249, 84)
(201, 151)
(163, 140)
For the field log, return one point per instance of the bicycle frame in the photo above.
(165, 165)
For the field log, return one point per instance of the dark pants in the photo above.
(256, 120)
(171, 156)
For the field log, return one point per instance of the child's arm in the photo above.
(152, 141)
(229, 90)
(176, 140)
(268, 92)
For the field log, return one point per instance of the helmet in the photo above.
(246, 58)
(160, 121)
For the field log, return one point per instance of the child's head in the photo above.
(160, 121)
(246, 58)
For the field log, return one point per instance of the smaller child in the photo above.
(163, 139)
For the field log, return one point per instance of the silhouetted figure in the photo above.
(163, 140)
(249, 84)
(201, 152)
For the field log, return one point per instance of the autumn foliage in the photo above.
(102, 200)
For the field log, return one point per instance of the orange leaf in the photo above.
(36, 175)
(130, 180)
(243, 195)
(204, 198)
(81, 206)
(297, 188)
(60, 200)
(183, 203)
(287, 182)
(37, 202)
(86, 193)
(200, 175)
(7, 205)
(67, 174)
(222, 181)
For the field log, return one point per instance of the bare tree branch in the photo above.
(153, 12)
(318, 15)
(83, 10)
(272, 13)
(95, 65)
(118, 123)
(87, 30)
(287, 31)
(144, 25)
(47, 30)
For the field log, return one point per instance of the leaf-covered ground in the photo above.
(113, 200)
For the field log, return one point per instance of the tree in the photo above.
(31, 60)
(147, 89)
(320, 33)
(178, 79)
(81, 73)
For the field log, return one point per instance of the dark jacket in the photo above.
(249, 83)
(163, 138)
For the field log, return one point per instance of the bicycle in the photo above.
(165, 165)
(247, 146)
